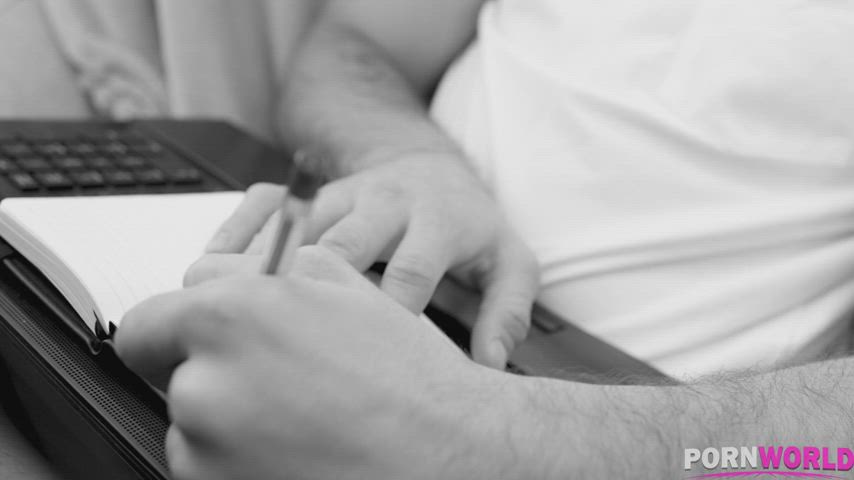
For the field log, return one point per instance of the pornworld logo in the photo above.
(783, 461)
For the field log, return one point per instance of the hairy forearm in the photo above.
(588, 431)
(348, 97)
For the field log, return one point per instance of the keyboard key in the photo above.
(34, 164)
(100, 163)
(52, 149)
(24, 181)
(185, 175)
(54, 180)
(83, 149)
(114, 148)
(119, 178)
(7, 165)
(139, 144)
(69, 163)
(131, 162)
(87, 178)
(45, 136)
(146, 148)
(151, 176)
(169, 161)
(16, 149)
(95, 160)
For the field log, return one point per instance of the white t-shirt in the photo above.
(683, 170)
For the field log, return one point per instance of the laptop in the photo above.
(87, 413)
(90, 415)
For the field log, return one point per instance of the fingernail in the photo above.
(217, 243)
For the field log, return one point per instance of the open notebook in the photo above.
(106, 254)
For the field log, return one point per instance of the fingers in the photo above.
(361, 237)
(260, 242)
(182, 462)
(318, 263)
(416, 267)
(150, 340)
(333, 202)
(235, 234)
(188, 461)
(505, 314)
(312, 261)
(216, 265)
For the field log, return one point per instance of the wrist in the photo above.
(511, 428)
(376, 156)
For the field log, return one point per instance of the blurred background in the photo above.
(149, 58)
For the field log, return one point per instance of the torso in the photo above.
(684, 171)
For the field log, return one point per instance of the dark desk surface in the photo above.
(19, 460)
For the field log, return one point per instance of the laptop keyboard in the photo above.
(115, 161)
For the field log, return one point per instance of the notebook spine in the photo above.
(47, 294)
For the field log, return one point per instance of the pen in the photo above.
(305, 179)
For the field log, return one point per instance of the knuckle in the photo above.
(412, 270)
(525, 258)
(204, 316)
(190, 406)
(530, 265)
(347, 242)
(180, 464)
(517, 323)
(262, 188)
(183, 406)
(223, 308)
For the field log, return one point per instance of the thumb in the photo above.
(505, 313)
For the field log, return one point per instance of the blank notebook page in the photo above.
(106, 254)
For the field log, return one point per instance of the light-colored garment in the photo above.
(186, 58)
(35, 79)
(684, 171)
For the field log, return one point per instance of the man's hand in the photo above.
(317, 375)
(289, 378)
(358, 89)
(425, 214)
